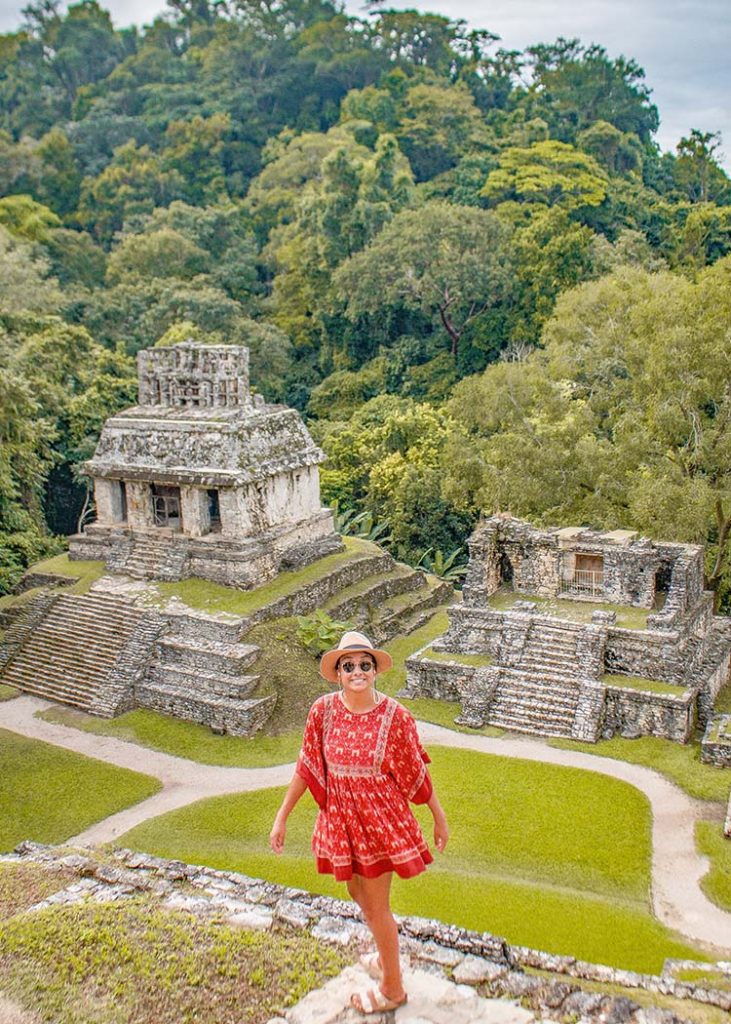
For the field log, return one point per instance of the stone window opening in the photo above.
(214, 511)
(586, 579)
(507, 571)
(166, 506)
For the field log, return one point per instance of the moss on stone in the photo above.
(471, 660)
(642, 684)
(214, 597)
(575, 611)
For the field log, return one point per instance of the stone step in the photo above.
(522, 725)
(532, 707)
(53, 641)
(52, 687)
(536, 698)
(186, 653)
(360, 597)
(201, 684)
(548, 669)
(412, 614)
(225, 714)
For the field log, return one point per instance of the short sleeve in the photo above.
(407, 759)
(311, 762)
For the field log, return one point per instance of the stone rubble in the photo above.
(456, 976)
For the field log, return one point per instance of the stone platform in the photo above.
(432, 1000)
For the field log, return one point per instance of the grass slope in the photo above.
(679, 762)
(85, 572)
(547, 856)
(49, 794)
(711, 841)
(133, 961)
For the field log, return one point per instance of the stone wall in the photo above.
(716, 743)
(639, 652)
(552, 988)
(633, 713)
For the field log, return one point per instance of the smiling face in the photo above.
(356, 672)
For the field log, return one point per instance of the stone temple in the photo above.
(204, 479)
(201, 479)
(576, 633)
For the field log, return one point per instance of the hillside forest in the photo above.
(472, 269)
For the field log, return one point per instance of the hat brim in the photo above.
(330, 659)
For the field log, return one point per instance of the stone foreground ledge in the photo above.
(469, 957)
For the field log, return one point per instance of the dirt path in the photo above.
(676, 866)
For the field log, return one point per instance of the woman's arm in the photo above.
(279, 829)
(441, 830)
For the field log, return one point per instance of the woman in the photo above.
(362, 760)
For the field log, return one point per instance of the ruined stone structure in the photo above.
(554, 665)
(202, 478)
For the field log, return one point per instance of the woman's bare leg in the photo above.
(373, 897)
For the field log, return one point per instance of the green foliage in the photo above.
(551, 173)
(451, 263)
(360, 524)
(451, 567)
(319, 632)
(631, 382)
(313, 184)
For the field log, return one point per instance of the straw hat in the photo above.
(352, 643)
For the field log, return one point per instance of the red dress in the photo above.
(363, 769)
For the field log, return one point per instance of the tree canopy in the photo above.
(472, 265)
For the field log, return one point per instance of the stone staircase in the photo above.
(539, 692)
(148, 557)
(534, 703)
(204, 678)
(72, 652)
(551, 650)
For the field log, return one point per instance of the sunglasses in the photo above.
(350, 666)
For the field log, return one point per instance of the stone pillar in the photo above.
(108, 500)
(194, 511)
(139, 505)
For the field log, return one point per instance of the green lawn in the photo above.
(85, 571)
(679, 762)
(577, 611)
(48, 794)
(471, 660)
(710, 840)
(8, 692)
(547, 856)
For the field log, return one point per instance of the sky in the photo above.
(683, 45)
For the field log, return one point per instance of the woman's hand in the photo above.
(441, 832)
(277, 835)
